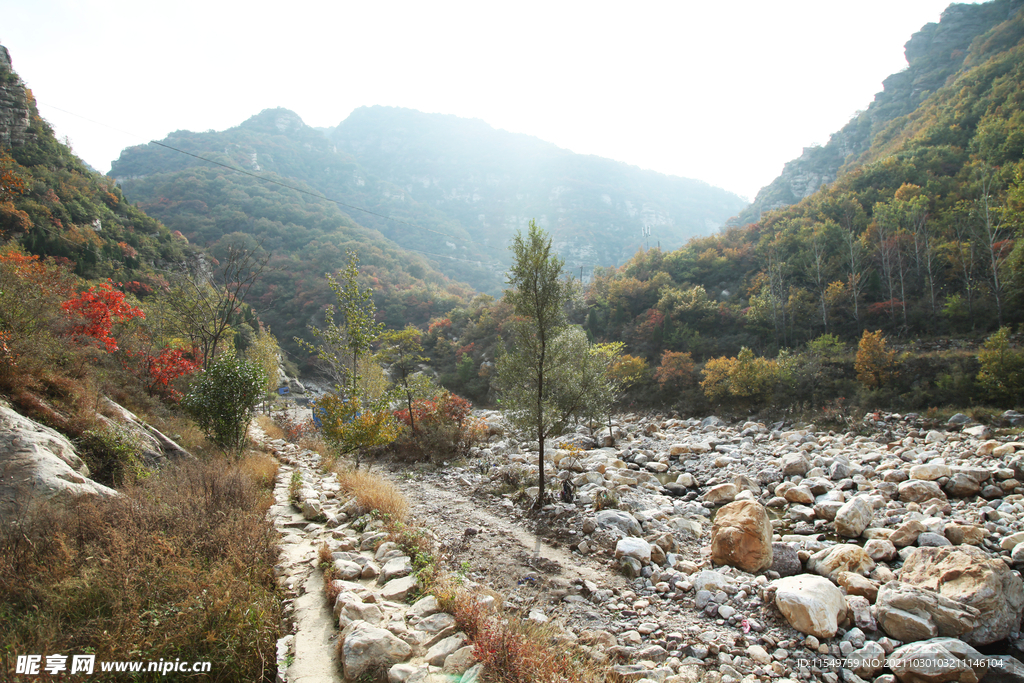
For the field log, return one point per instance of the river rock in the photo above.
(366, 648)
(937, 661)
(961, 534)
(786, 559)
(930, 471)
(811, 604)
(621, 520)
(919, 490)
(636, 548)
(723, 493)
(967, 574)
(910, 613)
(742, 536)
(907, 533)
(854, 517)
(843, 557)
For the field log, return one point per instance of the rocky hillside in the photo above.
(451, 190)
(492, 182)
(934, 54)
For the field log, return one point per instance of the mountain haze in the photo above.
(454, 190)
(492, 182)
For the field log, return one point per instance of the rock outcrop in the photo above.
(37, 464)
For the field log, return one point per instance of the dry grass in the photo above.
(269, 427)
(514, 650)
(374, 492)
(179, 566)
(261, 467)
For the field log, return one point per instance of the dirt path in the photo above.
(315, 633)
(488, 543)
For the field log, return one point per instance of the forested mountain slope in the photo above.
(920, 236)
(276, 208)
(54, 205)
(454, 190)
(492, 183)
(935, 54)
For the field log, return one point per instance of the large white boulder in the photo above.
(811, 604)
(37, 464)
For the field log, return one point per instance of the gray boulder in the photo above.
(38, 465)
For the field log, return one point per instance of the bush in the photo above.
(180, 566)
(445, 428)
(112, 455)
(348, 427)
(223, 399)
(748, 380)
(875, 364)
(1002, 369)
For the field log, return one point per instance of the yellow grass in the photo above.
(374, 492)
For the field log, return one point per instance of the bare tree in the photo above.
(204, 299)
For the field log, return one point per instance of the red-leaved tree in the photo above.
(98, 308)
(167, 366)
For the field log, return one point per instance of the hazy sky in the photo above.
(725, 92)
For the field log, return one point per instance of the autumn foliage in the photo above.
(876, 363)
(445, 428)
(167, 366)
(99, 308)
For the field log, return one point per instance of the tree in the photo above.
(875, 363)
(530, 362)
(203, 303)
(223, 399)
(341, 346)
(675, 371)
(356, 416)
(265, 353)
(1002, 369)
(96, 311)
(404, 351)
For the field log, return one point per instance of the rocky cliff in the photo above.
(15, 116)
(934, 54)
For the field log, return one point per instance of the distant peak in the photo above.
(278, 120)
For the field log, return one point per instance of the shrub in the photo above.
(675, 370)
(445, 428)
(112, 455)
(1002, 369)
(179, 566)
(348, 427)
(223, 399)
(748, 380)
(875, 364)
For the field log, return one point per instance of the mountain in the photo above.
(453, 190)
(492, 182)
(253, 186)
(935, 54)
(921, 233)
(53, 204)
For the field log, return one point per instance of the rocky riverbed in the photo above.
(692, 550)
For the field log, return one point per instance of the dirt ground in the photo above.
(498, 545)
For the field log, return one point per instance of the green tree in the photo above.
(1002, 369)
(357, 415)
(403, 350)
(223, 399)
(341, 346)
(530, 364)
(265, 353)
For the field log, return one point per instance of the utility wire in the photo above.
(272, 181)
